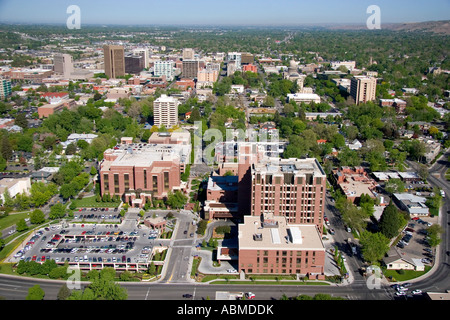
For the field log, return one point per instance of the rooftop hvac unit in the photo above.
(257, 237)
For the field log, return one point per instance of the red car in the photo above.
(249, 295)
(34, 258)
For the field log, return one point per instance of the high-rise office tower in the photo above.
(114, 61)
(188, 54)
(293, 188)
(63, 65)
(363, 89)
(165, 111)
(190, 68)
(134, 63)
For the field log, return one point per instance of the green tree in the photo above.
(434, 235)
(37, 217)
(57, 211)
(21, 120)
(373, 246)
(21, 225)
(391, 221)
(176, 199)
(35, 293)
(394, 186)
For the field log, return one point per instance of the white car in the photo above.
(417, 291)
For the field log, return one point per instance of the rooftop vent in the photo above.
(257, 237)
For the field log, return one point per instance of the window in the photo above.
(116, 183)
(145, 179)
(126, 178)
(166, 181)
(155, 183)
(106, 182)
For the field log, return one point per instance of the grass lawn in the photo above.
(8, 249)
(91, 202)
(292, 283)
(407, 274)
(12, 219)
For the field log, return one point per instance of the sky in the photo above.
(223, 12)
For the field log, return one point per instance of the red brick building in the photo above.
(139, 173)
(249, 67)
(272, 246)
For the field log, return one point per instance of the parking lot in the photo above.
(124, 246)
(97, 214)
(414, 243)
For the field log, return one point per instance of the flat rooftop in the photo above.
(293, 165)
(143, 154)
(277, 234)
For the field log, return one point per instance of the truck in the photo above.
(226, 295)
(352, 246)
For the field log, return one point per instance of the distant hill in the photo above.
(440, 27)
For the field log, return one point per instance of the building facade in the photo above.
(164, 68)
(190, 68)
(114, 61)
(5, 88)
(363, 89)
(134, 64)
(140, 173)
(293, 188)
(165, 111)
(272, 246)
(63, 65)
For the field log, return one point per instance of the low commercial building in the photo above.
(304, 97)
(14, 186)
(414, 205)
(176, 137)
(395, 261)
(355, 182)
(272, 246)
(48, 109)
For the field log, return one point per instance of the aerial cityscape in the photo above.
(247, 150)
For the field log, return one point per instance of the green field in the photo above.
(12, 219)
(91, 202)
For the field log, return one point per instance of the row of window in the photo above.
(126, 180)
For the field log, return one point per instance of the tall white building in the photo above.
(165, 111)
(5, 88)
(164, 68)
(235, 56)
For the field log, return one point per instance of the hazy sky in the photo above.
(228, 12)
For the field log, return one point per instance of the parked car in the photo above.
(250, 295)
